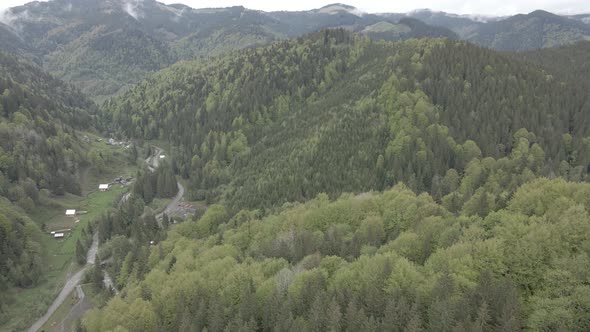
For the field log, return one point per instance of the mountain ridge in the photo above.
(357, 185)
(87, 42)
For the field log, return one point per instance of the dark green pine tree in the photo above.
(97, 275)
(80, 253)
(148, 190)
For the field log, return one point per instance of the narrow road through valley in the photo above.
(173, 205)
(153, 161)
(70, 285)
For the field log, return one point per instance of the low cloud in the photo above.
(132, 7)
(11, 19)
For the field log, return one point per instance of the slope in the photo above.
(104, 46)
(538, 29)
(335, 112)
(571, 62)
(362, 186)
(406, 28)
(390, 261)
(41, 152)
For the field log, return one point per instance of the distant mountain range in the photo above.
(106, 45)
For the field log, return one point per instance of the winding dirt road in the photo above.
(70, 285)
(153, 161)
(172, 207)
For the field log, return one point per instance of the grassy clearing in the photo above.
(93, 298)
(159, 204)
(31, 303)
(53, 324)
(117, 163)
(98, 299)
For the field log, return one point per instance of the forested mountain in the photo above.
(406, 28)
(39, 114)
(391, 261)
(421, 168)
(475, 240)
(539, 29)
(383, 175)
(336, 113)
(91, 42)
(107, 45)
(582, 17)
(570, 62)
(463, 26)
(39, 151)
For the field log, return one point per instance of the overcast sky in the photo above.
(488, 7)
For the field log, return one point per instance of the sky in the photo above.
(467, 7)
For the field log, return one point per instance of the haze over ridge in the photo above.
(478, 7)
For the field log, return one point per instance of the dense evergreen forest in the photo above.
(40, 155)
(391, 179)
(157, 184)
(353, 185)
(567, 62)
(391, 261)
(336, 113)
(105, 46)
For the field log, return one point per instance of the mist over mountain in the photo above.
(341, 174)
(318, 170)
(105, 46)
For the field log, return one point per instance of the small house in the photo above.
(103, 187)
(70, 213)
(162, 156)
(58, 235)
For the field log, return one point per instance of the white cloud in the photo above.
(488, 7)
(132, 8)
(12, 3)
(8, 17)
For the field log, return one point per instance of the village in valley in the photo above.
(67, 228)
(72, 216)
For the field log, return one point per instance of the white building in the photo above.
(103, 187)
(70, 213)
(58, 235)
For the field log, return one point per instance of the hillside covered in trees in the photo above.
(355, 185)
(105, 46)
(391, 261)
(381, 176)
(333, 113)
(40, 155)
(538, 29)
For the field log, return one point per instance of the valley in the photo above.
(164, 168)
(82, 41)
(59, 321)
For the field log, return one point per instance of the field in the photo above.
(32, 303)
(54, 323)
(66, 315)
